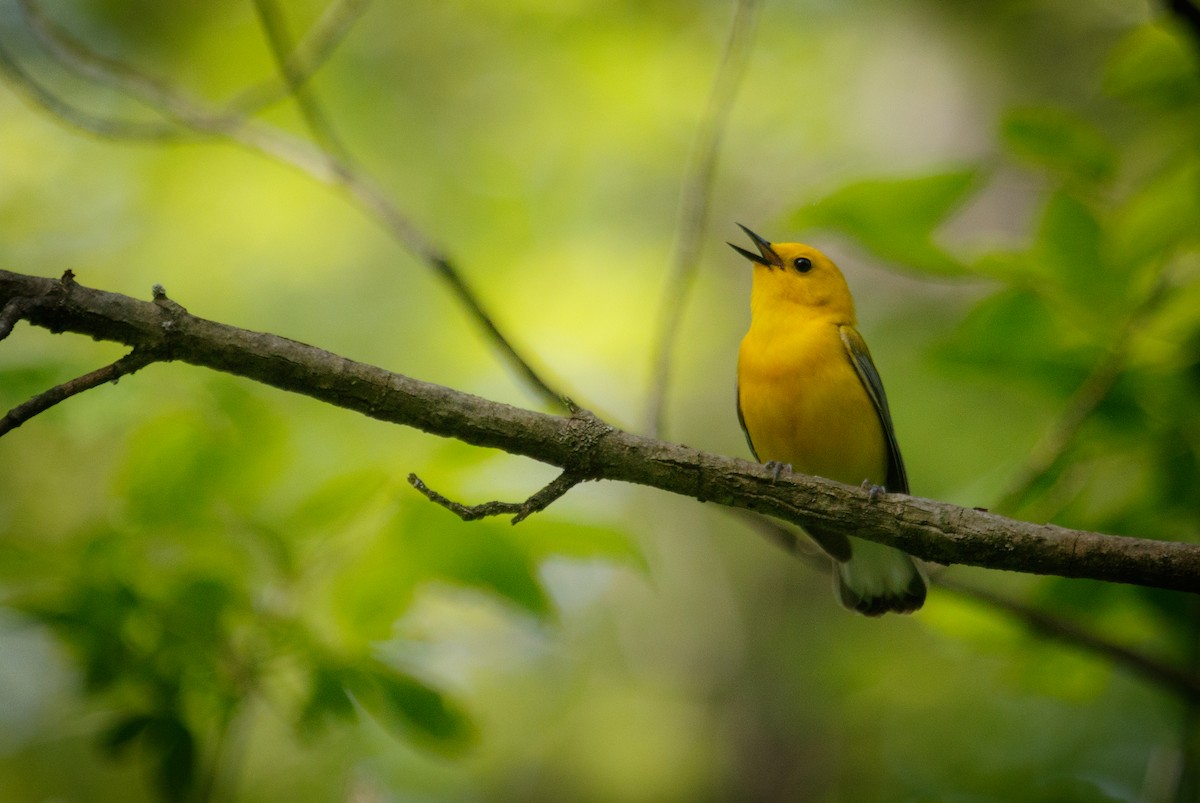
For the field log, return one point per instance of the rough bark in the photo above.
(588, 448)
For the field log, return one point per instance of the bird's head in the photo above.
(794, 273)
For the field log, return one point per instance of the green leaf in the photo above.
(551, 538)
(116, 740)
(1068, 245)
(328, 697)
(412, 709)
(93, 619)
(337, 499)
(424, 544)
(1059, 141)
(1068, 263)
(371, 591)
(182, 463)
(1160, 217)
(1069, 790)
(1015, 333)
(170, 744)
(172, 740)
(895, 218)
(193, 616)
(19, 382)
(175, 466)
(1154, 67)
(487, 555)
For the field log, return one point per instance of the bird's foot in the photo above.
(778, 469)
(873, 491)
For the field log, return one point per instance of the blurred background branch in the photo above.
(293, 75)
(1181, 682)
(318, 161)
(694, 204)
(519, 511)
(1047, 454)
(1156, 671)
(134, 361)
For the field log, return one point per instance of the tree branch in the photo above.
(521, 510)
(41, 96)
(1179, 681)
(305, 59)
(12, 312)
(187, 116)
(1046, 625)
(299, 65)
(590, 449)
(694, 204)
(133, 361)
(275, 30)
(1046, 455)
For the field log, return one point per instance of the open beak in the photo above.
(765, 256)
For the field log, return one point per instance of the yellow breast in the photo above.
(803, 403)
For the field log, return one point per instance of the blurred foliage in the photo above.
(214, 590)
(895, 218)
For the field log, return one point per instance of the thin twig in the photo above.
(521, 510)
(135, 360)
(19, 78)
(12, 312)
(265, 140)
(1090, 394)
(694, 206)
(185, 116)
(274, 27)
(1177, 680)
(307, 57)
(304, 60)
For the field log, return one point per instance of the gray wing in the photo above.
(860, 357)
(737, 397)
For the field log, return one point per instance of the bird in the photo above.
(810, 399)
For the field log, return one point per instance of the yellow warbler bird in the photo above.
(809, 396)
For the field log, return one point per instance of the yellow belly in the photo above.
(803, 404)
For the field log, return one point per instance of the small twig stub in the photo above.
(519, 510)
(134, 361)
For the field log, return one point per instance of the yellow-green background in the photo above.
(196, 548)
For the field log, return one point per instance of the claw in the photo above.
(778, 469)
(873, 491)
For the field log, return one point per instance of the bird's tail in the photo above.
(878, 579)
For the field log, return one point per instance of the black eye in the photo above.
(802, 264)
